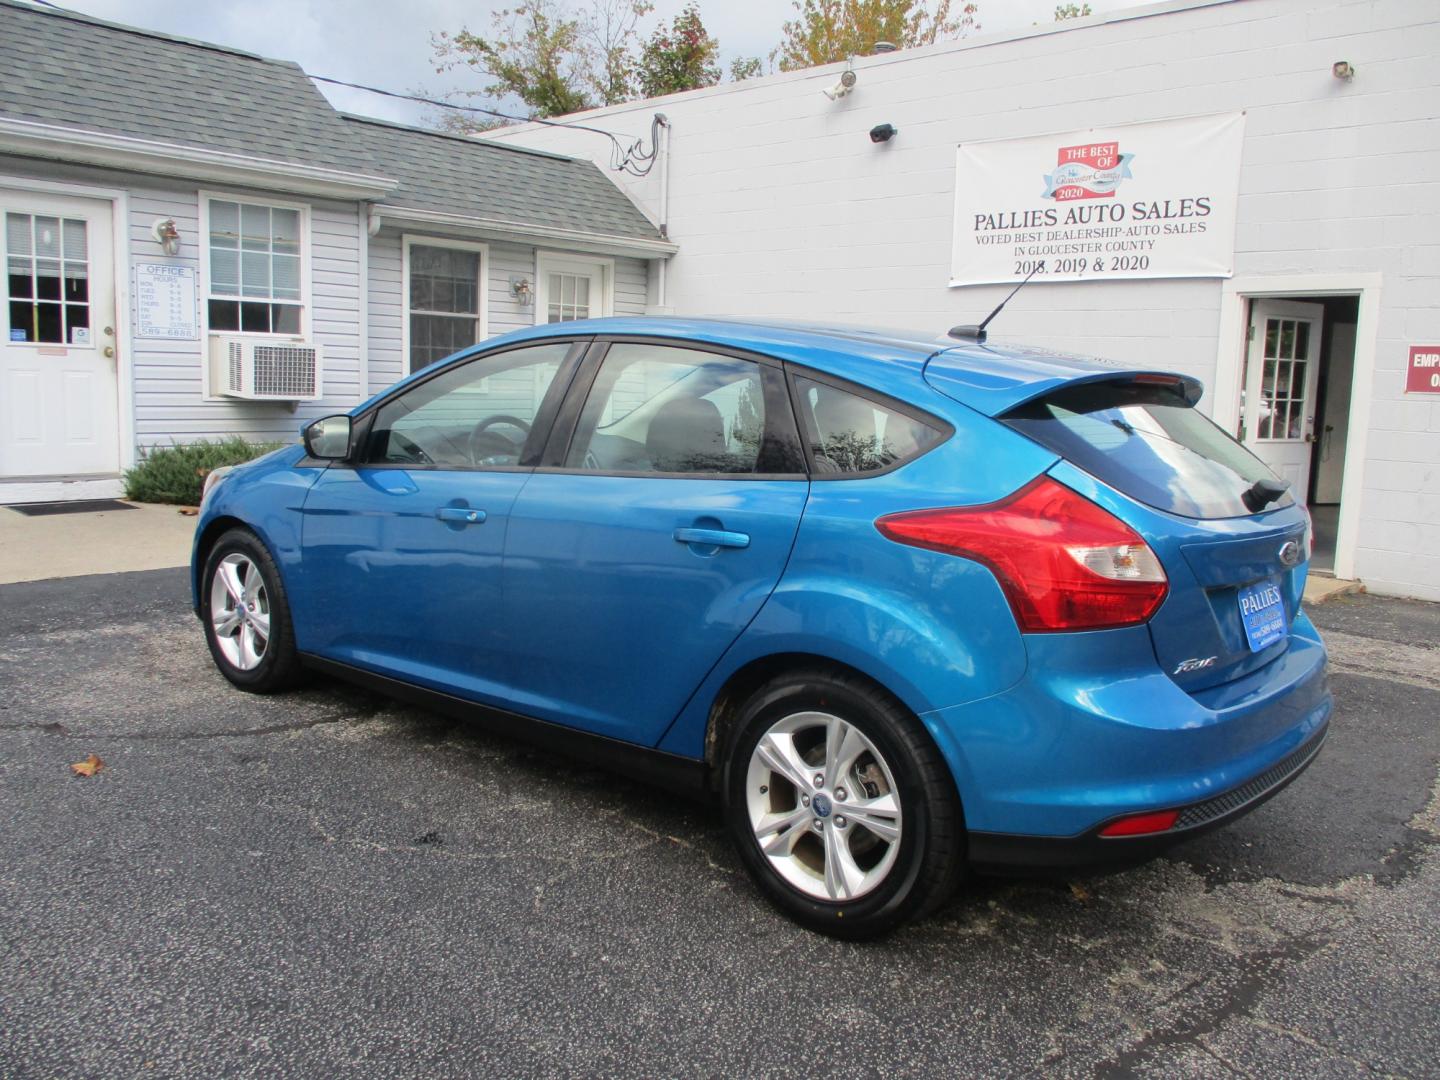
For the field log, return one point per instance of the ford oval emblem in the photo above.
(1289, 553)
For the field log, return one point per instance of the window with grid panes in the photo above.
(255, 285)
(1282, 389)
(444, 302)
(568, 297)
(47, 265)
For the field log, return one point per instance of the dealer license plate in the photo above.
(1262, 610)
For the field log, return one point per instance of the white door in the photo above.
(58, 386)
(1277, 418)
(571, 287)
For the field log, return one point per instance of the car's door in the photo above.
(659, 523)
(400, 571)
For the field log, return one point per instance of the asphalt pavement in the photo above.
(326, 884)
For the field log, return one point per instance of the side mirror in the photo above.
(329, 438)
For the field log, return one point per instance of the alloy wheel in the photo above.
(823, 806)
(240, 611)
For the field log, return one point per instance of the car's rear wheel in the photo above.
(246, 615)
(841, 807)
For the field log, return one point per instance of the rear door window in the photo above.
(670, 410)
(850, 434)
(1149, 442)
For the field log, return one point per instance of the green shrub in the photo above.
(174, 474)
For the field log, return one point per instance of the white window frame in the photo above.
(548, 262)
(1235, 297)
(306, 289)
(410, 240)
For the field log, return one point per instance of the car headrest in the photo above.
(687, 435)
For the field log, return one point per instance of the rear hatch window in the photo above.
(1142, 436)
(1232, 597)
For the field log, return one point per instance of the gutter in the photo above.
(526, 232)
(30, 139)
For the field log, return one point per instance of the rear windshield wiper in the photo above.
(1263, 492)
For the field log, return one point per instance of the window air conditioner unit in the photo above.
(264, 369)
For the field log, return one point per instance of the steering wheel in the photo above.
(485, 443)
(416, 453)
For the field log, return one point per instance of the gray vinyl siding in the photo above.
(169, 376)
(387, 310)
(505, 313)
(170, 406)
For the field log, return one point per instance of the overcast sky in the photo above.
(387, 44)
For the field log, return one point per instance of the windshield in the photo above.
(1150, 443)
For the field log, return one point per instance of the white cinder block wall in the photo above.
(782, 206)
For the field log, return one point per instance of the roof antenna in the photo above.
(977, 333)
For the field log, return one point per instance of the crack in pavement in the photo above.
(60, 730)
(1265, 969)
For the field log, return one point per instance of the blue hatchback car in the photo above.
(910, 606)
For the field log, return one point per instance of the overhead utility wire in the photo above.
(632, 158)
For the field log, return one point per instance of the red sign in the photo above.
(1422, 374)
(1089, 171)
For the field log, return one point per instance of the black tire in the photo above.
(931, 853)
(279, 665)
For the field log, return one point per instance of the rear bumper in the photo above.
(992, 852)
(1095, 731)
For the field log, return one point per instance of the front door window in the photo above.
(48, 272)
(478, 414)
(570, 288)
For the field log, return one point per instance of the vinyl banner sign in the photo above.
(1152, 200)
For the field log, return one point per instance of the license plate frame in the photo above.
(1262, 613)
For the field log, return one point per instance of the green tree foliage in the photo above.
(825, 31)
(562, 56)
(1071, 11)
(746, 67)
(536, 54)
(678, 57)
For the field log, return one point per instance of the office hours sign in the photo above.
(1151, 200)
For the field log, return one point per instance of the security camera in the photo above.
(843, 87)
(883, 133)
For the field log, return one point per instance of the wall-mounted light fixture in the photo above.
(883, 133)
(522, 290)
(844, 86)
(166, 235)
(1343, 69)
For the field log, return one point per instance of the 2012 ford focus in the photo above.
(910, 607)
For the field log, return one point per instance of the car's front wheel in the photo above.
(841, 806)
(246, 615)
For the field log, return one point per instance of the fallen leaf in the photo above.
(1081, 893)
(89, 767)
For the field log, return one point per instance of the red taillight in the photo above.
(1140, 824)
(1064, 563)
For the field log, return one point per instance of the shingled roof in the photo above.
(66, 70)
(474, 178)
(70, 70)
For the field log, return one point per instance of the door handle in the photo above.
(713, 538)
(460, 515)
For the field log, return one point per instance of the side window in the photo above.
(852, 434)
(475, 415)
(657, 408)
